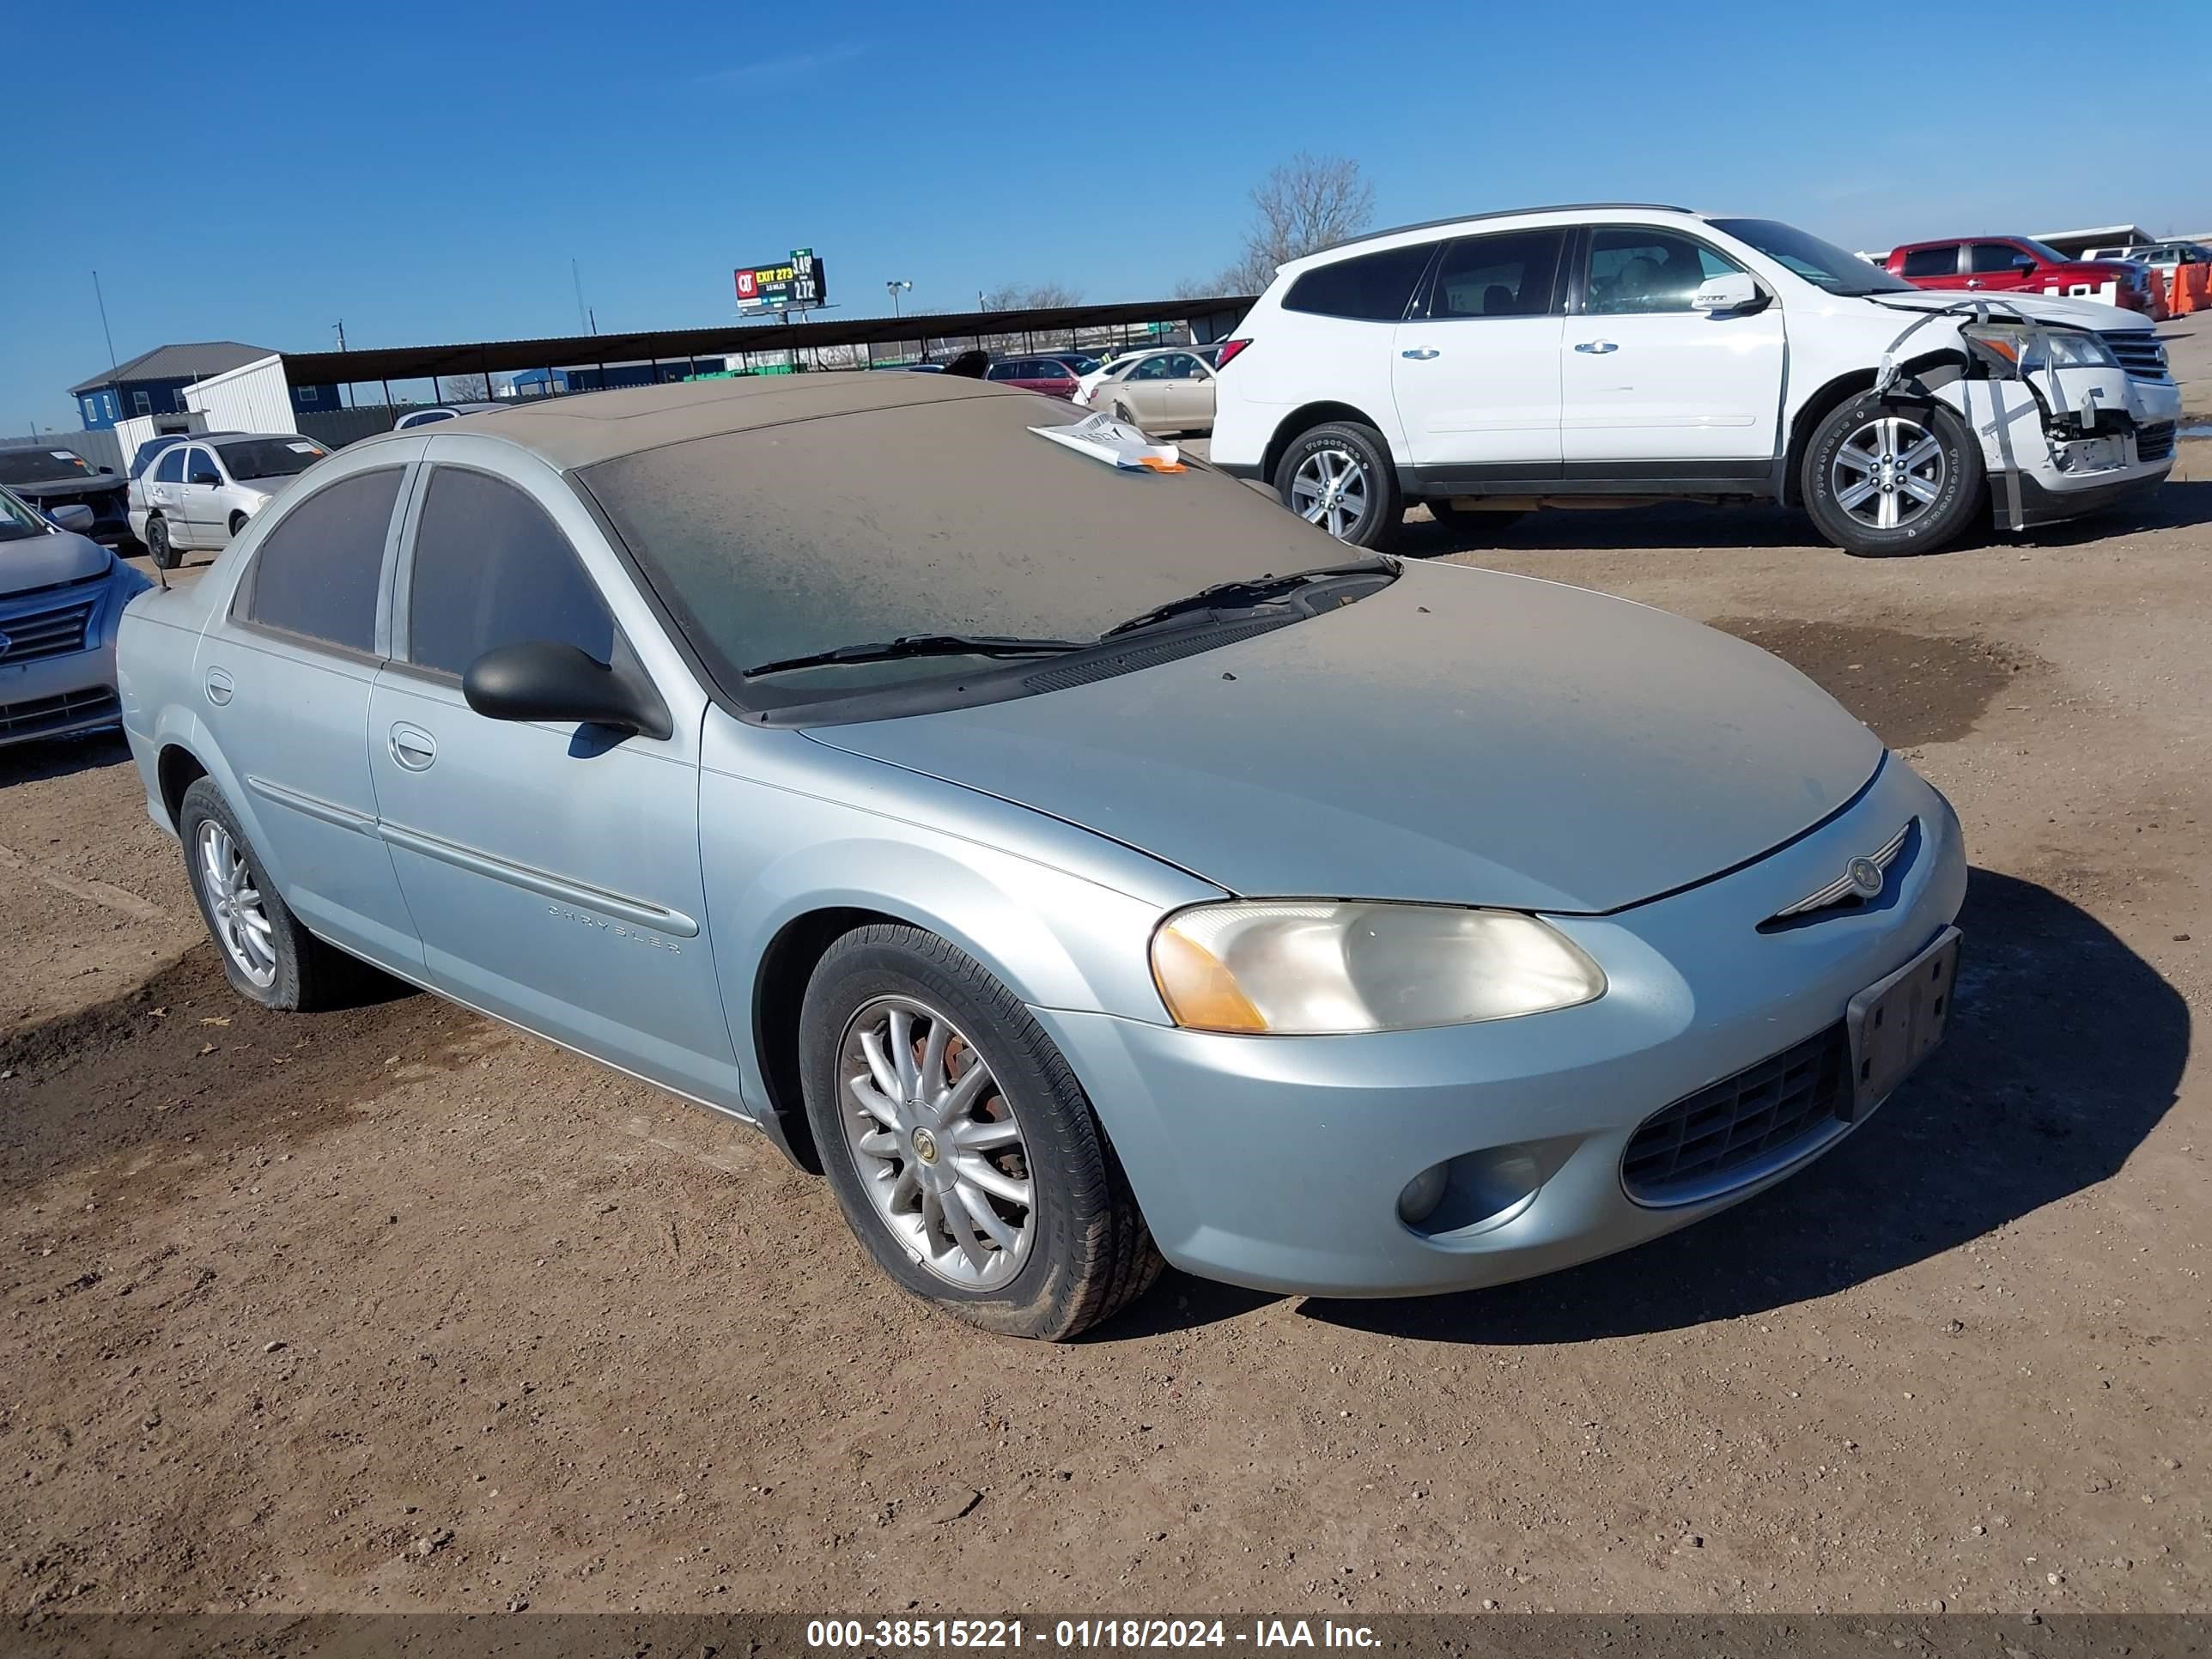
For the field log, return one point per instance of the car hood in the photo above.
(74, 483)
(2043, 307)
(1460, 736)
(45, 561)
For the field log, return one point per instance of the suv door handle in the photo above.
(1597, 347)
(1976, 282)
(1422, 355)
(413, 747)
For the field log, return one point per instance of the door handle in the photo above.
(1976, 282)
(220, 685)
(1597, 347)
(413, 747)
(1422, 355)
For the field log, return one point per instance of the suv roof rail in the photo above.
(1500, 213)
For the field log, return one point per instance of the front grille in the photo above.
(1741, 1128)
(55, 632)
(28, 719)
(2154, 442)
(2141, 354)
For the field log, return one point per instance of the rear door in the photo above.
(553, 869)
(1475, 375)
(1653, 393)
(165, 492)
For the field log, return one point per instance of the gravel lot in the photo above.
(397, 1309)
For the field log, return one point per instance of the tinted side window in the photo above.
(1635, 271)
(1985, 257)
(319, 571)
(170, 469)
(1000, 370)
(200, 468)
(1373, 288)
(1508, 275)
(1932, 262)
(491, 570)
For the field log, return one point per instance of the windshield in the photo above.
(1822, 263)
(17, 521)
(38, 466)
(2044, 251)
(949, 516)
(270, 458)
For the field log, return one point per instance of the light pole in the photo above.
(895, 288)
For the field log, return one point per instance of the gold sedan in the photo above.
(1166, 390)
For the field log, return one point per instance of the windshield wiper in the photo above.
(925, 645)
(1258, 590)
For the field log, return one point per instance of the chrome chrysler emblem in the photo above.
(1866, 876)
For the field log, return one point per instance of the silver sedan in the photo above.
(1077, 860)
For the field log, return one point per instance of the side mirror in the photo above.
(541, 680)
(75, 516)
(1735, 291)
(2022, 262)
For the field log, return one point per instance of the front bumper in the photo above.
(1277, 1163)
(54, 696)
(2048, 461)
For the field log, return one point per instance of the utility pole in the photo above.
(340, 326)
(105, 334)
(585, 314)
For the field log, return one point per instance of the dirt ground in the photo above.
(397, 1308)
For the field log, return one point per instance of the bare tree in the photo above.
(465, 388)
(1041, 296)
(1303, 206)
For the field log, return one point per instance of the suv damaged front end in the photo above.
(2072, 419)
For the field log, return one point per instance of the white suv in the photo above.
(1613, 355)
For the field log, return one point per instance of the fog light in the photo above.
(1422, 1195)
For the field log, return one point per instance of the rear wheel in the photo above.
(1340, 476)
(159, 547)
(1886, 477)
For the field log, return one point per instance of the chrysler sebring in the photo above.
(1072, 856)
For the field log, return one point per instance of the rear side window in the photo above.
(491, 568)
(1932, 262)
(1509, 275)
(170, 469)
(1374, 288)
(319, 569)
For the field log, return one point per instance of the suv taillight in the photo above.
(1228, 354)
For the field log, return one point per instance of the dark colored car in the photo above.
(2020, 265)
(1047, 374)
(48, 475)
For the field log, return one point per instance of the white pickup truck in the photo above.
(1614, 354)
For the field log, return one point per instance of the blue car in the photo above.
(1073, 855)
(61, 596)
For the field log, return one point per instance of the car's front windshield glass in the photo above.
(270, 458)
(17, 521)
(37, 465)
(947, 516)
(2045, 252)
(1822, 263)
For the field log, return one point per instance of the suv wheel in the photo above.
(1340, 476)
(963, 1151)
(1889, 476)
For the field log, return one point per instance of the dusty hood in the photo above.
(2081, 313)
(43, 561)
(1460, 736)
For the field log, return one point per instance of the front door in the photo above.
(1476, 370)
(552, 870)
(201, 496)
(1646, 380)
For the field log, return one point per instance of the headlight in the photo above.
(2025, 350)
(1308, 967)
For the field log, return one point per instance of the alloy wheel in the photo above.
(241, 921)
(1330, 489)
(939, 1149)
(1889, 472)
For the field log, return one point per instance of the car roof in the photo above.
(1501, 213)
(582, 430)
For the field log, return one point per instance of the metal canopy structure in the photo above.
(679, 345)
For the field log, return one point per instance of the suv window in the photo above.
(319, 571)
(1509, 275)
(200, 468)
(1001, 372)
(1932, 262)
(1985, 257)
(491, 568)
(170, 469)
(1636, 270)
(1374, 288)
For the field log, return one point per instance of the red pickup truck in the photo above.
(2020, 265)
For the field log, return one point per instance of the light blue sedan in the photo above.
(1063, 849)
(61, 596)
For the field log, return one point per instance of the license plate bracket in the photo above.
(1898, 1021)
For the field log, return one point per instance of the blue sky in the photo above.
(427, 171)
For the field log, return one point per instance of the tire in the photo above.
(1121, 414)
(237, 522)
(159, 547)
(1382, 511)
(1475, 523)
(1080, 1250)
(1952, 469)
(300, 974)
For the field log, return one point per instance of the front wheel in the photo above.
(961, 1147)
(1886, 477)
(1340, 476)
